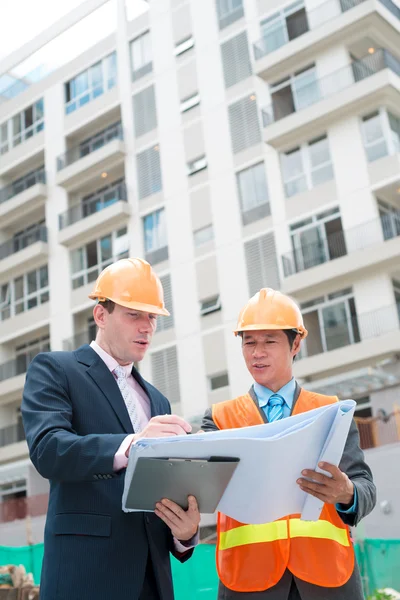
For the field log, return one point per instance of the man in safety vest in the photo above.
(289, 559)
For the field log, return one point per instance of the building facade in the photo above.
(234, 144)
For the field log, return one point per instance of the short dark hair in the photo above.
(109, 305)
(291, 336)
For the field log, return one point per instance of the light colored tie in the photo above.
(127, 395)
(275, 408)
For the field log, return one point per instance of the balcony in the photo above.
(12, 434)
(380, 430)
(339, 255)
(84, 337)
(298, 37)
(12, 375)
(356, 339)
(27, 250)
(22, 197)
(358, 86)
(88, 160)
(102, 212)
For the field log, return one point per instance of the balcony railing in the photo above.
(299, 97)
(19, 365)
(299, 24)
(39, 234)
(345, 332)
(12, 434)
(341, 243)
(93, 205)
(380, 430)
(22, 184)
(98, 141)
(20, 508)
(84, 337)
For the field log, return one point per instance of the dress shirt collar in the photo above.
(287, 392)
(110, 362)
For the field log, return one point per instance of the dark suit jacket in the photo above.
(291, 588)
(75, 420)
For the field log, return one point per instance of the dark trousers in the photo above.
(149, 590)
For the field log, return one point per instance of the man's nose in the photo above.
(145, 324)
(258, 351)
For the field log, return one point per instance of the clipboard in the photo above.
(177, 478)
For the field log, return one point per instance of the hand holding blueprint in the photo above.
(272, 456)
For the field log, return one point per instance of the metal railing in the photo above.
(12, 434)
(341, 243)
(15, 188)
(319, 89)
(93, 205)
(348, 331)
(230, 17)
(300, 24)
(39, 234)
(380, 430)
(306, 21)
(104, 137)
(20, 508)
(83, 337)
(18, 365)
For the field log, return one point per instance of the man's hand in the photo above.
(337, 489)
(162, 426)
(182, 523)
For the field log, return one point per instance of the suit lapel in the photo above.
(106, 383)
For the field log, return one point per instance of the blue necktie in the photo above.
(275, 408)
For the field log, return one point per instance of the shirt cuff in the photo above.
(353, 508)
(120, 458)
(188, 544)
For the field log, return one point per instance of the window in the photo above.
(396, 290)
(90, 84)
(164, 323)
(210, 305)
(149, 172)
(293, 93)
(253, 193)
(315, 241)
(24, 292)
(27, 352)
(25, 237)
(203, 235)
(22, 126)
(381, 134)
(184, 46)
(236, 59)
(218, 381)
(190, 102)
(199, 164)
(165, 373)
(141, 56)
(262, 264)
(93, 203)
(282, 27)
(390, 220)
(229, 11)
(144, 111)
(306, 166)
(88, 261)
(331, 322)
(155, 236)
(244, 124)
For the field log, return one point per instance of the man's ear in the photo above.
(296, 345)
(99, 315)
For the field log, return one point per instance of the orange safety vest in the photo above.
(253, 558)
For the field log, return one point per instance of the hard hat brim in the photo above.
(147, 308)
(263, 327)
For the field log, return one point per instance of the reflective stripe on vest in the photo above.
(278, 530)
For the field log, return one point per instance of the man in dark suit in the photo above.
(289, 559)
(82, 411)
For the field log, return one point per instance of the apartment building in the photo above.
(234, 144)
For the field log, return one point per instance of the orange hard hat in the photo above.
(131, 282)
(269, 309)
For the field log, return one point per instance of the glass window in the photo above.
(43, 277)
(293, 172)
(91, 254)
(96, 79)
(253, 188)
(141, 51)
(77, 260)
(17, 128)
(306, 88)
(105, 248)
(32, 282)
(155, 234)
(19, 288)
(394, 124)
(374, 139)
(321, 166)
(111, 70)
(307, 166)
(203, 235)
